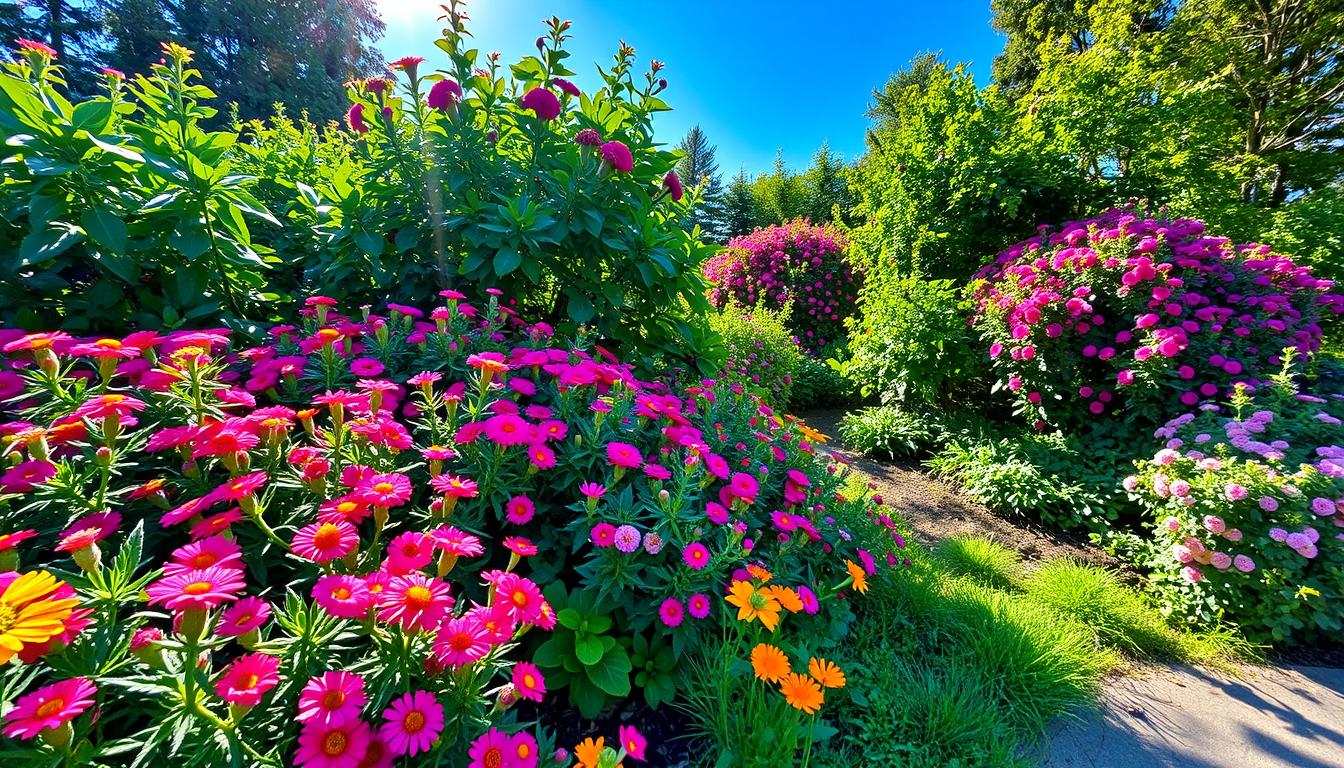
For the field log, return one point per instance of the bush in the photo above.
(819, 385)
(1135, 316)
(798, 264)
(759, 352)
(1247, 507)
(911, 342)
(984, 560)
(123, 209)
(395, 532)
(890, 431)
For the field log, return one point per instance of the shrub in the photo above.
(890, 431)
(911, 342)
(509, 177)
(398, 533)
(798, 264)
(819, 385)
(759, 352)
(1136, 316)
(1247, 508)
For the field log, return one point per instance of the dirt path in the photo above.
(936, 511)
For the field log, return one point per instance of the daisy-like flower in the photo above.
(589, 752)
(521, 595)
(408, 552)
(492, 749)
(204, 553)
(412, 723)
(802, 692)
(391, 489)
(809, 598)
(456, 542)
(627, 538)
(454, 486)
(593, 491)
(827, 674)
(857, 576)
(343, 595)
(754, 605)
(696, 555)
(199, 589)
(769, 663)
(540, 456)
(324, 542)
(633, 742)
(623, 455)
(244, 616)
(331, 698)
(698, 606)
(671, 612)
(24, 477)
(239, 487)
(82, 537)
(460, 641)
(603, 534)
(248, 679)
(528, 682)
(519, 510)
(786, 597)
(507, 429)
(520, 546)
(523, 745)
(340, 745)
(415, 601)
(347, 508)
(216, 524)
(49, 708)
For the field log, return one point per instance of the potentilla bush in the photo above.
(1140, 316)
(328, 549)
(760, 353)
(1247, 506)
(797, 263)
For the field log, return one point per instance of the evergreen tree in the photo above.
(739, 206)
(826, 188)
(699, 168)
(780, 195)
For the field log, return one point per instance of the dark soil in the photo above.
(665, 728)
(936, 511)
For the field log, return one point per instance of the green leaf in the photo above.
(552, 653)
(92, 116)
(568, 618)
(586, 697)
(613, 674)
(118, 150)
(588, 649)
(105, 228)
(42, 245)
(581, 310)
(507, 260)
(190, 240)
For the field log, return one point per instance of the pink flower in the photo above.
(444, 94)
(355, 118)
(391, 489)
(244, 616)
(617, 155)
(325, 541)
(632, 742)
(49, 708)
(412, 723)
(492, 749)
(248, 679)
(671, 612)
(460, 641)
(672, 183)
(340, 745)
(519, 510)
(542, 102)
(343, 595)
(528, 681)
(331, 698)
(698, 606)
(696, 555)
(623, 455)
(415, 601)
(603, 534)
(201, 589)
(1243, 563)
(409, 551)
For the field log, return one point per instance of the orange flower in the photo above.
(769, 663)
(812, 434)
(759, 573)
(787, 597)
(589, 752)
(802, 692)
(856, 573)
(826, 673)
(754, 604)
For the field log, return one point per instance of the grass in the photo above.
(984, 560)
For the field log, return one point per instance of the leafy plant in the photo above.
(581, 655)
(760, 353)
(890, 431)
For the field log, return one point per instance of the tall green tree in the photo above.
(74, 28)
(826, 188)
(699, 167)
(740, 213)
(780, 194)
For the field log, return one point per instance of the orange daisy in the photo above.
(589, 752)
(759, 573)
(769, 663)
(859, 577)
(826, 673)
(787, 597)
(754, 604)
(802, 692)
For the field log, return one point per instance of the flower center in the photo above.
(248, 682)
(341, 593)
(461, 642)
(8, 617)
(413, 722)
(51, 707)
(384, 487)
(418, 598)
(757, 600)
(197, 588)
(202, 561)
(493, 758)
(334, 743)
(519, 598)
(328, 536)
(108, 344)
(529, 681)
(333, 699)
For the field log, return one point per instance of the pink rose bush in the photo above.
(798, 264)
(247, 551)
(1246, 509)
(1125, 314)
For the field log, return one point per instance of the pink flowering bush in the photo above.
(327, 548)
(1138, 316)
(1247, 513)
(798, 265)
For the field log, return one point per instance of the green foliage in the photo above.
(981, 559)
(698, 168)
(760, 353)
(911, 343)
(818, 384)
(890, 431)
(581, 655)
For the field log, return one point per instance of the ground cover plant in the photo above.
(365, 505)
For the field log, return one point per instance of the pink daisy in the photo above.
(633, 742)
(454, 486)
(521, 595)
(603, 535)
(324, 542)
(507, 429)
(408, 552)
(88, 531)
(390, 489)
(341, 745)
(696, 555)
(244, 616)
(459, 642)
(520, 546)
(201, 589)
(248, 679)
(415, 601)
(523, 745)
(412, 723)
(528, 682)
(698, 606)
(623, 455)
(541, 456)
(671, 612)
(456, 542)
(343, 596)
(519, 510)
(492, 749)
(49, 708)
(204, 553)
(331, 698)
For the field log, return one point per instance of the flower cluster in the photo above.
(1153, 314)
(1247, 512)
(796, 264)
(344, 523)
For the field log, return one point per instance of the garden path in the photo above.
(1148, 717)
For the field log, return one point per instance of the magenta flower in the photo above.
(617, 156)
(542, 102)
(444, 94)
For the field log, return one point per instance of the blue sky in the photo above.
(756, 76)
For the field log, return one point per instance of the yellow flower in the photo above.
(769, 663)
(754, 604)
(811, 434)
(856, 573)
(30, 614)
(826, 673)
(802, 692)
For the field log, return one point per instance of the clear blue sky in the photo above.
(756, 76)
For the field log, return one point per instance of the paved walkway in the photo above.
(1271, 717)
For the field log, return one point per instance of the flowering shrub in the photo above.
(760, 353)
(796, 263)
(1247, 509)
(283, 553)
(124, 209)
(1140, 316)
